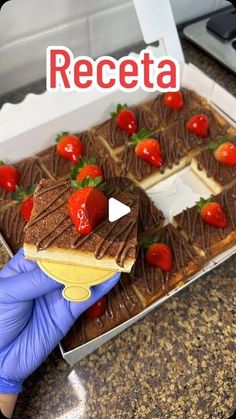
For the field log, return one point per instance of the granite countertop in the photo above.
(178, 362)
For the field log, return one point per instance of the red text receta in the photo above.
(66, 73)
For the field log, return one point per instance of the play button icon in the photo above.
(117, 210)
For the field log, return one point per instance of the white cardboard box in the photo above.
(41, 120)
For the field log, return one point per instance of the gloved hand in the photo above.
(34, 317)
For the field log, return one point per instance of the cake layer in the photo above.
(192, 143)
(209, 240)
(151, 283)
(174, 159)
(122, 304)
(12, 226)
(213, 173)
(54, 165)
(51, 236)
(115, 138)
(166, 116)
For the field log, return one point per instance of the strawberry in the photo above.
(173, 100)
(69, 146)
(212, 213)
(125, 119)
(88, 205)
(86, 169)
(160, 255)
(26, 201)
(148, 148)
(9, 177)
(97, 309)
(26, 208)
(198, 124)
(225, 152)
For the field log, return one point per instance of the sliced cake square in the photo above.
(114, 137)
(213, 173)
(121, 305)
(207, 239)
(12, 226)
(149, 282)
(51, 236)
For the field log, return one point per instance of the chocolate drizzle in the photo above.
(56, 165)
(203, 235)
(51, 225)
(110, 132)
(191, 141)
(150, 280)
(220, 172)
(12, 226)
(167, 115)
(31, 172)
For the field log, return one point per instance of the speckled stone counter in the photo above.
(178, 362)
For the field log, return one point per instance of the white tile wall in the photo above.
(86, 26)
(31, 16)
(25, 61)
(113, 29)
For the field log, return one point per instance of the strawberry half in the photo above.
(86, 169)
(125, 119)
(173, 100)
(225, 152)
(212, 213)
(88, 205)
(97, 309)
(198, 124)
(148, 148)
(9, 177)
(69, 146)
(160, 255)
(26, 201)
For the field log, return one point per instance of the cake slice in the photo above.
(12, 226)
(30, 174)
(165, 115)
(209, 240)
(193, 143)
(174, 159)
(149, 282)
(213, 173)
(121, 305)
(57, 167)
(114, 137)
(51, 236)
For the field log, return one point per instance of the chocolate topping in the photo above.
(192, 141)
(56, 166)
(150, 280)
(31, 172)
(172, 150)
(203, 235)
(167, 115)
(221, 173)
(12, 225)
(122, 304)
(116, 137)
(50, 225)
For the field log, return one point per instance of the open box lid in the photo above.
(157, 24)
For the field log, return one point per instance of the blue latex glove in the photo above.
(34, 317)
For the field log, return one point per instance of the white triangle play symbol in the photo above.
(117, 210)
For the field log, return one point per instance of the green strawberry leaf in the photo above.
(118, 109)
(2, 163)
(202, 202)
(19, 194)
(31, 189)
(148, 241)
(141, 135)
(61, 135)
